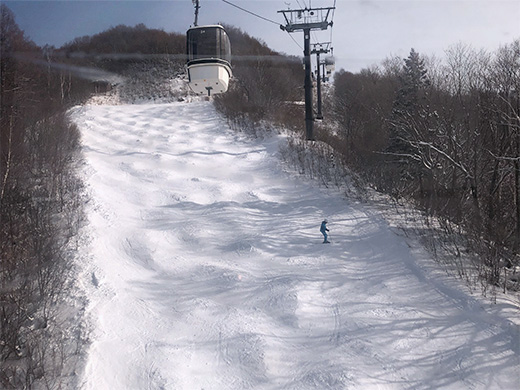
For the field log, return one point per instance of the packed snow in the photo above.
(206, 270)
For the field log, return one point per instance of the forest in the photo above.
(40, 210)
(42, 196)
(442, 137)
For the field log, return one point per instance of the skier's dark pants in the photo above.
(325, 236)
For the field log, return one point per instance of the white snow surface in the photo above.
(206, 271)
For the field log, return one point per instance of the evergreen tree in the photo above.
(414, 82)
(409, 122)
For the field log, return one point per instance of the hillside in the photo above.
(206, 270)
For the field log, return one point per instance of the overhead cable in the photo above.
(249, 12)
(332, 21)
(261, 17)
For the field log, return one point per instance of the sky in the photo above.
(364, 32)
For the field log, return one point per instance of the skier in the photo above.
(324, 230)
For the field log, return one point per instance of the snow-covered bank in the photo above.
(207, 272)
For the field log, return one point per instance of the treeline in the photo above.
(148, 59)
(41, 195)
(40, 211)
(125, 39)
(445, 137)
(122, 47)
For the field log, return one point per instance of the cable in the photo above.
(252, 13)
(332, 22)
(315, 35)
(261, 17)
(294, 40)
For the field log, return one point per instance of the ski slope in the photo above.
(206, 271)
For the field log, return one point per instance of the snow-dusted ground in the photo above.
(206, 271)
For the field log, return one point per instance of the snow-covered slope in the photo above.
(207, 272)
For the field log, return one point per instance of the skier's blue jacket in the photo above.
(323, 227)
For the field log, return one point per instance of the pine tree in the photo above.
(414, 82)
(408, 123)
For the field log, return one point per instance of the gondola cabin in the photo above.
(209, 59)
(330, 65)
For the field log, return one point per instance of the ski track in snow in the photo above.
(207, 272)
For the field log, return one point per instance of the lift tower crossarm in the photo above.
(321, 48)
(307, 18)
